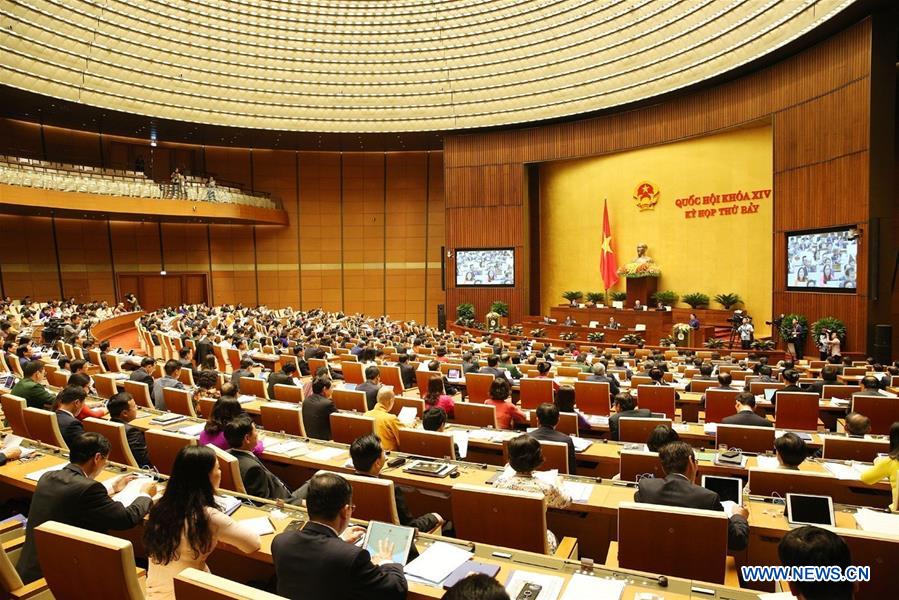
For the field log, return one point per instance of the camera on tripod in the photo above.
(776, 322)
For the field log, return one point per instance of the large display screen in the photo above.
(485, 267)
(822, 260)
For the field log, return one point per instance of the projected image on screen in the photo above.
(486, 266)
(822, 260)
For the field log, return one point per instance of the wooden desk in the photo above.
(658, 323)
(236, 566)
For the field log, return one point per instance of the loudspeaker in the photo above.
(441, 316)
(883, 343)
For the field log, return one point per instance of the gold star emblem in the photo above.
(607, 243)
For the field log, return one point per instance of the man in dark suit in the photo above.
(144, 373)
(171, 373)
(765, 376)
(407, 371)
(791, 378)
(548, 417)
(371, 385)
(317, 410)
(598, 373)
(870, 387)
(625, 406)
(31, 387)
(71, 496)
(745, 405)
(243, 371)
(322, 560)
(724, 384)
(71, 401)
(678, 489)
(123, 409)
(469, 364)
(283, 377)
(368, 461)
(204, 346)
(705, 374)
(241, 435)
(492, 367)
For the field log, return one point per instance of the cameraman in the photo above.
(746, 330)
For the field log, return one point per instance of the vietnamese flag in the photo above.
(607, 266)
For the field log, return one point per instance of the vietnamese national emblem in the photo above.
(646, 195)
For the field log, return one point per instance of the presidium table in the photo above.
(657, 324)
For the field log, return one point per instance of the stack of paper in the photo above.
(877, 522)
(580, 444)
(460, 437)
(245, 398)
(407, 415)
(480, 434)
(710, 428)
(259, 525)
(550, 585)
(36, 475)
(193, 430)
(437, 562)
(326, 453)
(577, 491)
(849, 472)
(587, 586)
(767, 462)
(228, 504)
(131, 490)
(598, 420)
(288, 448)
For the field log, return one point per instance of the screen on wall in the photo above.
(485, 267)
(822, 260)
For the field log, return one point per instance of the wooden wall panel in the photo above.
(28, 258)
(320, 231)
(84, 259)
(64, 145)
(819, 102)
(436, 239)
(19, 138)
(277, 248)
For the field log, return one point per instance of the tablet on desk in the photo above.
(727, 488)
(454, 374)
(349, 386)
(399, 535)
(805, 509)
(769, 394)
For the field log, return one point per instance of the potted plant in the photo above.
(696, 300)
(465, 314)
(666, 297)
(516, 330)
(538, 333)
(500, 307)
(728, 300)
(573, 297)
(595, 336)
(667, 341)
(830, 324)
(594, 298)
(762, 344)
(568, 335)
(618, 296)
(714, 343)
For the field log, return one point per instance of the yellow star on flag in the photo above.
(607, 243)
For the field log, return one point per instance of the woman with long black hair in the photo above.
(185, 525)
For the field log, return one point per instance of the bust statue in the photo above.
(642, 266)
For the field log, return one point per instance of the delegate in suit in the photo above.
(71, 496)
(678, 489)
(322, 561)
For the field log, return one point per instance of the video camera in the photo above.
(737, 319)
(776, 322)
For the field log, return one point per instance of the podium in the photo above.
(642, 289)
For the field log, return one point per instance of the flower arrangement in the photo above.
(640, 269)
(596, 336)
(632, 338)
(516, 330)
(568, 335)
(680, 330)
(667, 341)
(539, 332)
(493, 320)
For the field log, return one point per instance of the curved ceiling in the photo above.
(363, 66)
